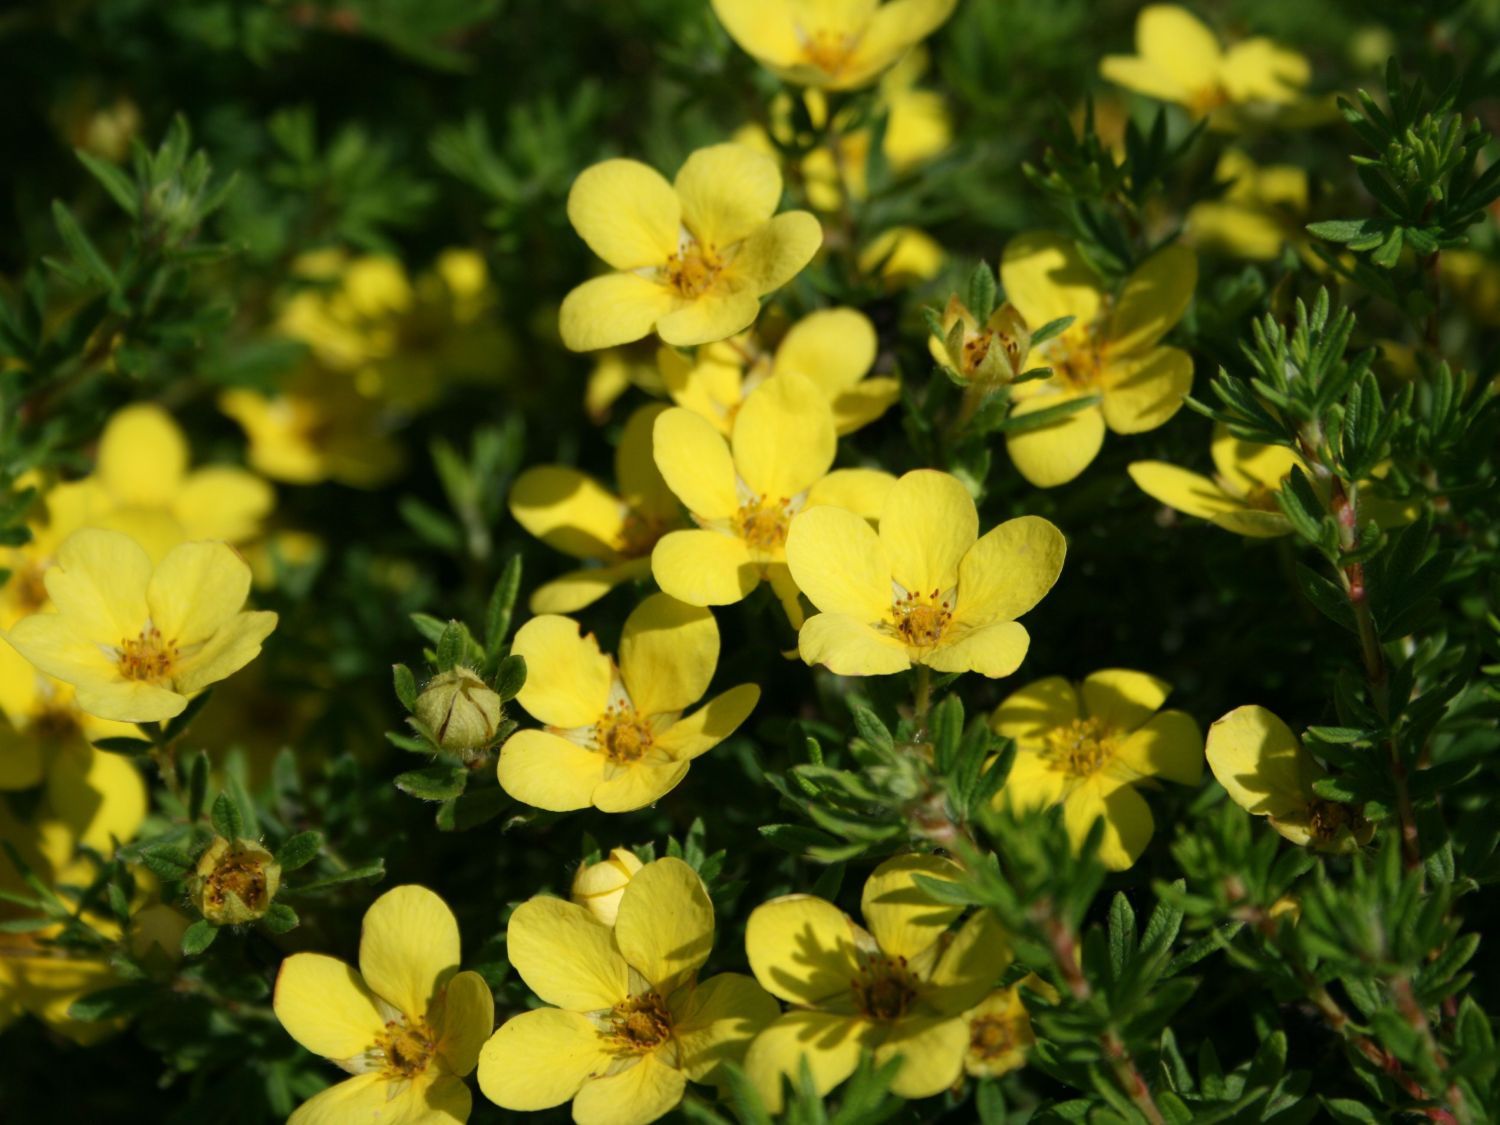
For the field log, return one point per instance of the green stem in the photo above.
(923, 700)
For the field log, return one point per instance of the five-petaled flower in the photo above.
(926, 589)
(135, 640)
(1000, 1032)
(692, 258)
(407, 1025)
(1241, 497)
(900, 987)
(616, 736)
(1088, 748)
(630, 1024)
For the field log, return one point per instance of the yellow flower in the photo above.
(924, 590)
(1260, 212)
(1087, 749)
(986, 355)
(1111, 350)
(60, 511)
(615, 371)
(1265, 770)
(1474, 278)
(1000, 1034)
(743, 493)
(318, 428)
(692, 258)
(1242, 495)
(834, 349)
(830, 43)
(135, 640)
(900, 987)
(629, 1024)
(1178, 59)
(573, 513)
(407, 1025)
(616, 737)
(902, 257)
(599, 887)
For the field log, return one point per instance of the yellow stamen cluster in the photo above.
(28, 589)
(406, 1048)
(638, 535)
(1080, 748)
(828, 50)
(990, 1037)
(149, 657)
(884, 988)
(1076, 368)
(693, 269)
(639, 1024)
(1206, 99)
(921, 621)
(763, 523)
(54, 724)
(621, 735)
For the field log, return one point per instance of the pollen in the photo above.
(921, 621)
(884, 988)
(693, 270)
(1081, 748)
(148, 658)
(639, 1024)
(763, 523)
(622, 736)
(406, 1049)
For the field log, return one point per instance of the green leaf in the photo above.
(197, 785)
(373, 870)
(501, 607)
(280, 918)
(1349, 230)
(406, 686)
(167, 863)
(114, 180)
(114, 1003)
(1038, 419)
(227, 819)
(299, 850)
(198, 937)
(439, 782)
(870, 728)
(177, 726)
(473, 808)
(451, 645)
(510, 678)
(1050, 329)
(124, 745)
(78, 244)
(982, 288)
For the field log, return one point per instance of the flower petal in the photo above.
(850, 646)
(861, 491)
(932, 1052)
(1254, 524)
(544, 771)
(324, 1005)
(408, 948)
(1246, 464)
(142, 457)
(668, 652)
(233, 645)
(1170, 745)
(969, 965)
(1028, 714)
(1142, 391)
(991, 650)
(802, 949)
(704, 567)
(1009, 570)
(1187, 492)
(99, 585)
(665, 926)
(615, 309)
(641, 484)
(838, 561)
(365, 1097)
(715, 1022)
(569, 511)
(775, 253)
(696, 463)
(866, 401)
(540, 1059)
(1127, 820)
(626, 212)
(765, 29)
(223, 502)
(904, 917)
(51, 646)
(1260, 70)
(1153, 299)
(830, 1044)
(1058, 452)
(892, 29)
(1033, 783)
(727, 191)
(1123, 699)
(832, 348)
(577, 589)
(716, 315)
(100, 796)
(638, 785)
(635, 1096)
(568, 678)
(928, 523)
(566, 957)
(468, 1018)
(196, 589)
(710, 725)
(1259, 762)
(783, 437)
(1179, 44)
(1045, 278)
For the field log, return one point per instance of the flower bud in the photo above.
(235, 882)
(600, 886)
(460, 710)
(987, 355)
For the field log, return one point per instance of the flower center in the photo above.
(1326, 819)
(405, 1048)
(29, 591)
(827, 50)
(240, 874)
(1204, 100)
(993, 1036)
(622, 736)
(1081, 748)
(693, 269)
(638, 534)
(639, 1024)
(53, 724)
(884, 989)
(921, 621)
(763, 523)
(148, 658)
(1076, 368)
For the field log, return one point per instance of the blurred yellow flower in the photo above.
(1000, 1034)
(900, 987)
(743, 493)
(1088, 748)
(615, 371)
(628, 1023)
(1261, 211)
(1178, 59)
(136, 639)
(1474, 279)
(407, 1025)
(1266, 771)
(573, 513)
(902, 257)
(615, 735)
(599, 887)
(834, 349)
(830, 43)
(925, 589)
(692, 258)
(54, 515)
(1241, 497)
(1111, 350)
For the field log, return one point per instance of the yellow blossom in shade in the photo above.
(599, 887)
(1179, 59)
(830, 43)
(902, 257)
(317, 428)
(834, 349)
(407, 1025)
(1474, 279)
(615, 371)
(1266, 771)
(1259, 213)
(616, 737)
(1088, 748)
(899, 985)
(926, 589)
(1111, 350)
(1241, 497)
(614, 532)
(135, 640)
(692, 258)
(744, 493)
(629, 1023)
(1000, 1034)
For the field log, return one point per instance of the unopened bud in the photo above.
(600, 886)
(460, 710)
(989, 354)
(235, 882)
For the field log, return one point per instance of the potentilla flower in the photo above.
(926, 589)
(629, 1023)
(1241, 497)
(616, 737)
(599, 887)
(899, 987)
(1088, 748)
(1266, 771)
(1260, 212)
(834, 349)
(828, 43)
(407, 1025)
(135, 640)
(613, 529)
(1111, 350)
(902, 257)
(744, 493)
(1000, 1033)
(1178, 59)
(693, 257)
(56, 514)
